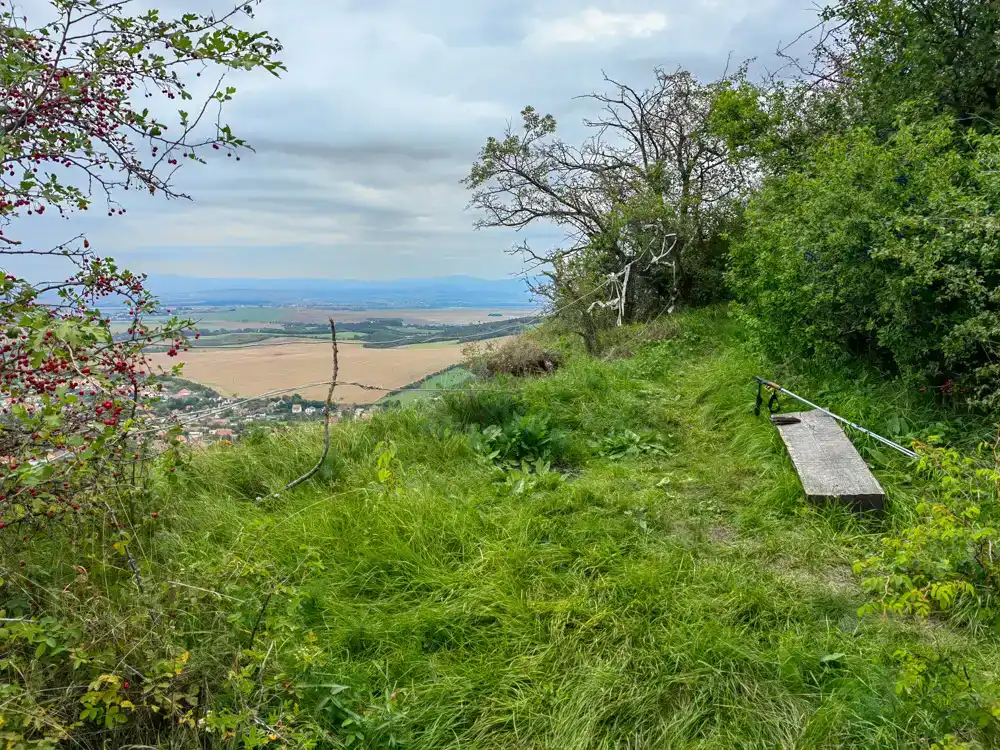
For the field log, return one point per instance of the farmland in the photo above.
(252, 370)
(268, 349)
(270, 326)
(277, 316)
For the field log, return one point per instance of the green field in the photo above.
(431, 344)
(231, 339)
(252, 315)
(255, 339)
(341, 335)
(452, 378)
(222, 328)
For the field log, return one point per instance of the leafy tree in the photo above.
(885, 250)
(71, 133)
(941, 51)
(74, 435)
(878, 55)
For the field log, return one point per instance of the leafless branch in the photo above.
(326, 418)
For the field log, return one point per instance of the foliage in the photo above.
(529, 438)
(941, 53)
(941, 682)
(74, 393)
(462, 602)
(519, 606)
(482, 407)
(71, 86)
(943, 564)
(629, 444)
(89, 658)
(529, 477)
(884, 251)
(945, 561)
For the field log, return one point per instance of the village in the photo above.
(206, 416)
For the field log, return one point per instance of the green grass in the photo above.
(452, 378)
(682, 601)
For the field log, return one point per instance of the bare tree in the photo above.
(634, 196)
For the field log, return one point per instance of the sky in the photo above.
(361, 145)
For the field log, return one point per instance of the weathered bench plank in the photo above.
(827, 463)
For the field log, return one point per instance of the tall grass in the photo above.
(669, 601)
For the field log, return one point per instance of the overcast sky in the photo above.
(360, 146)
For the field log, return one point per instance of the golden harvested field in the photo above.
(253, 370)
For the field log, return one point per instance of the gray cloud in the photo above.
(360, 147)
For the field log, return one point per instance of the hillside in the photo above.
(573, 533)
(654, 581)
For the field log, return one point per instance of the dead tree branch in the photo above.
(326, 415)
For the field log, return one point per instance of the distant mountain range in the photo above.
(445, 291)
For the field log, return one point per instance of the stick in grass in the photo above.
(308, 474)
(326, 414)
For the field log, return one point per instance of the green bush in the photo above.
(882, 249)
(530, 438)
(945, 561)
(943, 564)
(629, 444)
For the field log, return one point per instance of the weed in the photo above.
(530, 438)
(629, 444)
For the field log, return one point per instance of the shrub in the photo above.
(946, 561)
(526, 439)
(91, 656)
(885, 250)
(518, 356)
(945, 564)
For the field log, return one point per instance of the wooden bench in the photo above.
(827, 463)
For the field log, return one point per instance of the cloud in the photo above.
(360, 147)
(594, 25)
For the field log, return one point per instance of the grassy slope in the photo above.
(681, 601)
